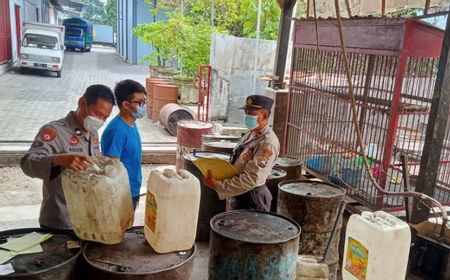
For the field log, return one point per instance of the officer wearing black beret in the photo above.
(254, 158)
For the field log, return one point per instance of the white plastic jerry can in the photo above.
(376, 247)
(171, 210)
(99, 201)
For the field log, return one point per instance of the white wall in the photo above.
(52, 15)
(232, 60)
(29, 8)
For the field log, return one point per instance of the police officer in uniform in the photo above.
(254, 158)
(66, 143)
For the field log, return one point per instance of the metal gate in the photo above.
(204, 90)
(393, 66)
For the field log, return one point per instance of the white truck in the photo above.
(42, 47)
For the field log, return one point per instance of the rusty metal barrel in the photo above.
(219, 146)
(163, 94)
(210, 204)
(189, 138)
(248, 244)
(171, 114)
(59, 258)
(149, 83)
(292, 166)
(134, 259)
(275, 177)
(314, 206)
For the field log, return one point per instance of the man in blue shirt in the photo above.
(121, 137)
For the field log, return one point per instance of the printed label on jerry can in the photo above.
(150, 219)
(357, 259)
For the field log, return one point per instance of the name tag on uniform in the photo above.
(75, 150)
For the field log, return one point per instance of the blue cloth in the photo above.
(122, 141)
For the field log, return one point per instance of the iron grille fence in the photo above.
(393, 90)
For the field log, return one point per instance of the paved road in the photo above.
(27, 101)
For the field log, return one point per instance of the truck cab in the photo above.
(42, 47)
(79, 34)
(74, 38)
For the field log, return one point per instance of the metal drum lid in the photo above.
(219, 137)
(133, 255)
(276, 173)
(255, 227)
(191, 124)
(311, 189)
(176, 116)
(287, 161)
(201, 154)
(221, 144)
(55, 252)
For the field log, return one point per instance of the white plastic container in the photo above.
(99, 201)
(171, 211)
(376, 247)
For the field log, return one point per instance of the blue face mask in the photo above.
(250, 121)
(140, 112)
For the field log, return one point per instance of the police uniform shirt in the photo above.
(63, 136)
(254, 158)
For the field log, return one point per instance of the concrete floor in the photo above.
(30, 100)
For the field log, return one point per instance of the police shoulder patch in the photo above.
(267, 153)
(48, 135)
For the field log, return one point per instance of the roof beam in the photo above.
(284, 32)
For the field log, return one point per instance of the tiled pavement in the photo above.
(28, 101)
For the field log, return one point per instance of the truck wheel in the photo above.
(58, 74)
(23, 70)
(88, 50)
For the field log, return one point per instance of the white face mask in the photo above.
(92, 124)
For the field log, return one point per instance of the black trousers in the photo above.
(135, 202)
(258, 198)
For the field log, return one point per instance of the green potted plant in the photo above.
(182, 41)
(192, 50)
(158, 35)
